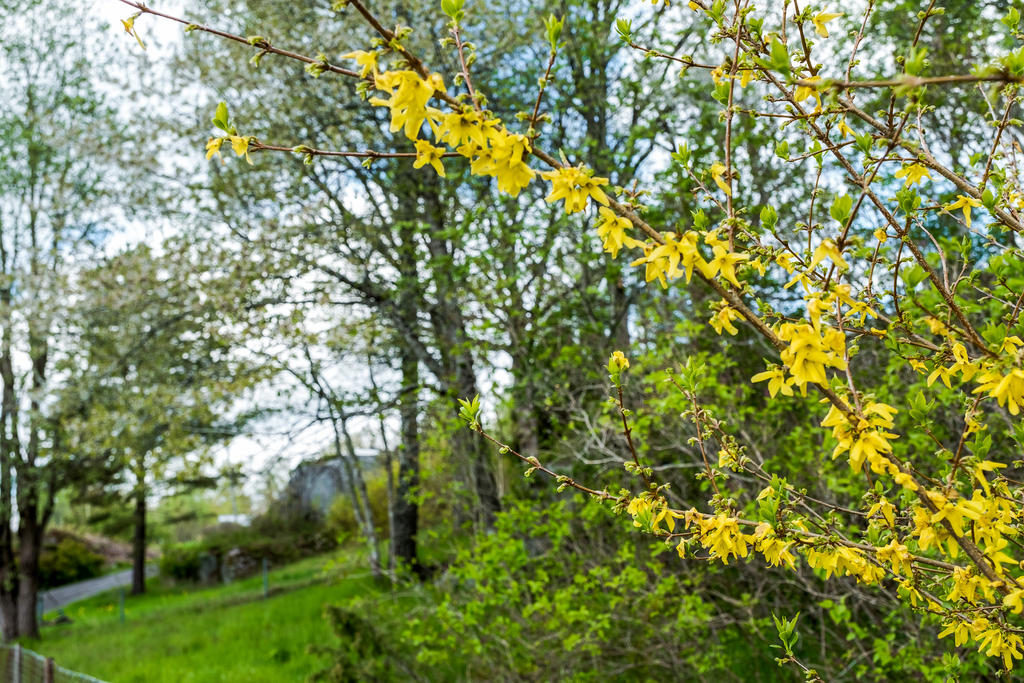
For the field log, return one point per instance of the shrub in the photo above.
(69, 561)
(278, 537)
(341, 518)
(181, 562)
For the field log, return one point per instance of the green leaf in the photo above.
(220, 118)
(864, 142)
(453, 8)
(988, 199)
(470, 410)
(916, 62)
(1012, 19)
(780, 57)
(624, 29)
(841, 209)
(682, 155)
(554, 25)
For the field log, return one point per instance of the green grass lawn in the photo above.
(225, 633)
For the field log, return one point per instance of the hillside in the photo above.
(224, 633)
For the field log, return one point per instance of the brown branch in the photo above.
(262, 44)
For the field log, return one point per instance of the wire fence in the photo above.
(18, 665)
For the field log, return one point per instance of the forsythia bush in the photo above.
(904, 245)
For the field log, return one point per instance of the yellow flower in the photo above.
(775, 551)
(129, 28)
(724, 263)
(367, 60)
(722, 537)
(618, 360)
(810, 352)
(895, 554)
(213, 147)
(612, 231)
(819, 20)
(655, 267)
(409, 96)
(1007, 389)
(426, 153)
(828, 249)
(1011, 344)
(805, 91)
(965, 204)
(867, 440)
(574, 185)
(959, 629)
(239, 145)
(503, 159)
(777, 381)
(506, 160)
(456, 128)
(997, 643)
(722, 320)
(915, 173)
(941, 373)
(1013, 600)
(717, 170)
(674, 253)
(844, 129)
(887, 509)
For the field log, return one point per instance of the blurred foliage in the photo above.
(69, 561)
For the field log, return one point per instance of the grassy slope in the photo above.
(226, 633)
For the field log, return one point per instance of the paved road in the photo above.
(61, 596)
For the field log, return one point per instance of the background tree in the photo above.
(59, 161)
(160, 371)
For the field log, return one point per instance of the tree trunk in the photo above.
(469, 445)
(9, 613)
(388, 469)
(139, 542)
(455, 345)
(359, 486)
(356, 486)
(525, 408)
(29, 540)
(9, 447)
(406, 510)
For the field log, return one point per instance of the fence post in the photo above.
(120, 604)
(16, 673)
(48, 671)
(266, 579)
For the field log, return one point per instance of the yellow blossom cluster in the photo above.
(843, 560)
(989, 520)
(812, 349)
(612, 231)
(1000, 377)
(721, 536)
(865, 438)
(994, 641)
(775, 550)
(491, 149)
(575, 185)
(678, 256)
